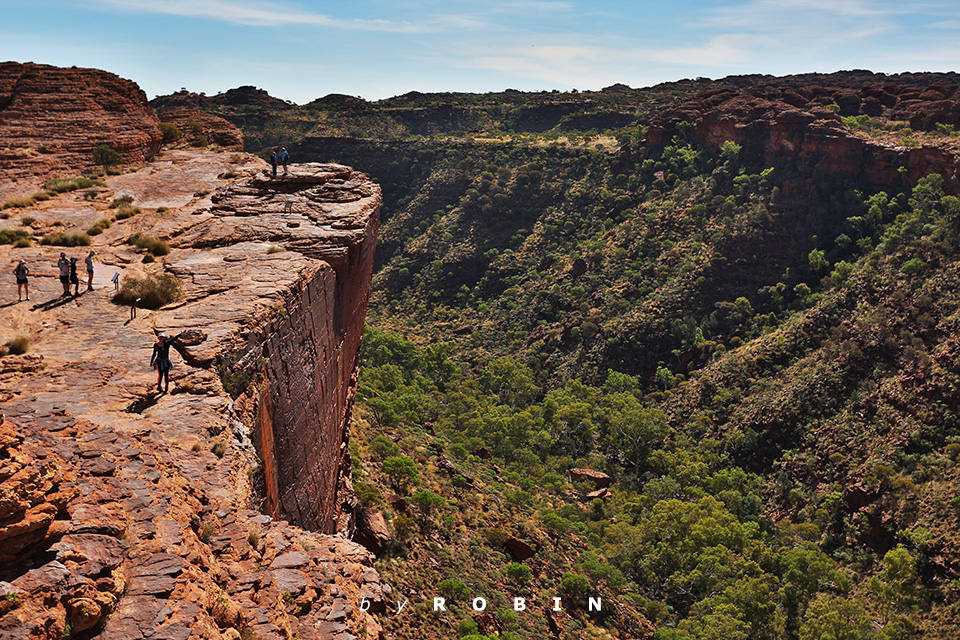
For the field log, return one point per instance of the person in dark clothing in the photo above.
(161, 360)
(21, 272)
(273, 163)
(74, 278)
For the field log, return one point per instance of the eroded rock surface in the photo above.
(200, 128)
(51, 119)
(129, 513)
(797, 124)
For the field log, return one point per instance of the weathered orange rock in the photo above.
(810, 134)
(598, 478)
(145, 530)
(52, 118)
(200, 127)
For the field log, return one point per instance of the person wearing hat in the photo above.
(89, 262)
(64, 265)
(161, 360)
(21, 272)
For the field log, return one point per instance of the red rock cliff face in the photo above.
(200, 128)
(771, 129)
(307, 357)
(130, 513)
(51, 119)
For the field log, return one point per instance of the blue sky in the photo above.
(299, 50)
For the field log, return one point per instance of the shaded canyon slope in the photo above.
(126, 512)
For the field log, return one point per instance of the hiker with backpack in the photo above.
(21, 271)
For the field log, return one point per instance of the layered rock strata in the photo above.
(125, 512)
(308, 355)
(810, 134)
(51, 119)
(200, 128)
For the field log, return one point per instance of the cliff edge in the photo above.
(131, 513)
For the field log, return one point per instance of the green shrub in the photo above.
(383, 447)
(403, 473)
(98, 227)
(122, 201)
(19, 345)
(153, 291)
(63, 185)
(452, 589)
(574, 584)
(156, 246)
(66, 240)
(106, 157)
(12, 236)
(913, 266)
(170, 131)
(126, 212)
(28, 221)
(518, 573)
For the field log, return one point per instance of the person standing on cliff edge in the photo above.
(273, 162)
(161, 360)
(284, 159)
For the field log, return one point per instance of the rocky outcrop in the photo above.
(52, 118)
(200, 128)
(125, 512)
(308, 354)
(809, 134)
(599, 478)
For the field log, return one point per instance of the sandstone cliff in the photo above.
(130, 513)
(796, 124)
(200, 128)
(51, 119)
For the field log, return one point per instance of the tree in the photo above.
(106, 157)
(574, 584)
(402, 471)
(518, 573)
(171, 133)
(837, 619)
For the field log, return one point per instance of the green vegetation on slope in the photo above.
(767, 477)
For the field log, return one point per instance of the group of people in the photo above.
(283, 160)
(68, 275)
(160, 360)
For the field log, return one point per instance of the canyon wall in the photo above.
(810, 135)
(307, 356)
(130, 512)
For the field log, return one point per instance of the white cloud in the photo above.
(265, 14)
